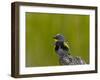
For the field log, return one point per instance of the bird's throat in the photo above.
(55, 40)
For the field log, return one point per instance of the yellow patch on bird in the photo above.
(55, 40)
(66, 44)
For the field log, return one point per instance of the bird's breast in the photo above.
(61, 52)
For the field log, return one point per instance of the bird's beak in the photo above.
(54, 37)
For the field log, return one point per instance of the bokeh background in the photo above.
(40, 29)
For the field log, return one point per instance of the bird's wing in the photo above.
(65, 44)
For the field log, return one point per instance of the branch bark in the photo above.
(70, 60)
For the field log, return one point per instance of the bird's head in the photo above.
(59, 37)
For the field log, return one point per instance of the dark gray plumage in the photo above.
(63, 52)
(60, 47)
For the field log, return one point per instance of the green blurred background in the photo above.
(40, 29)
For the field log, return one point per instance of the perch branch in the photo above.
(70, 60)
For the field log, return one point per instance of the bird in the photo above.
(63, 51)
(61, 47)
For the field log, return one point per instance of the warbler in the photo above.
(61, 47)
